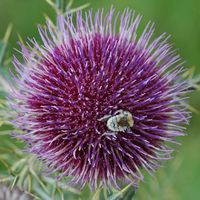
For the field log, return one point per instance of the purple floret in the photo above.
(89, 69)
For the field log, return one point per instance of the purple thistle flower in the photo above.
(98, 103)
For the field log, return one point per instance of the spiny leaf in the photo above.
(6, 179)
(5, 164)
(49, 21)
(14, 182)
(39, 180)
(53, 5)
(78, 8)
(96, 195)
(33, 195)
(22, 176)
(1, 123)
(20, 39)
(69, 4)
(3, 43)
(61, 7)
(120, 193)
(4, 132)
(29, 183)
(42, 194)
(192, 109)
(189, 73)
(193, 81)
(18, 163)
(105, 193)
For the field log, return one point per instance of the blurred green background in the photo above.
(178, 179)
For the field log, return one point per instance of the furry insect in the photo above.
(121, 121)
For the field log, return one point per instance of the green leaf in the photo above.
(6, 179)
(2, 132)
(115, 196)
(2, 50)
(72, 10)
(42, 194)
(54, 6)
(39, 180)
(96, 195)
(69, 5)
(14, 182)
(61, 7)
(3, 43)
(105, 193)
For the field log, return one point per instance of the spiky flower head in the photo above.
(98, 103)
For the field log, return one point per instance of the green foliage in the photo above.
(24, 171)
(4, 86)
(3, 44)
(61, 6)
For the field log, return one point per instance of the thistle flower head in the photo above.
(98, 103)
